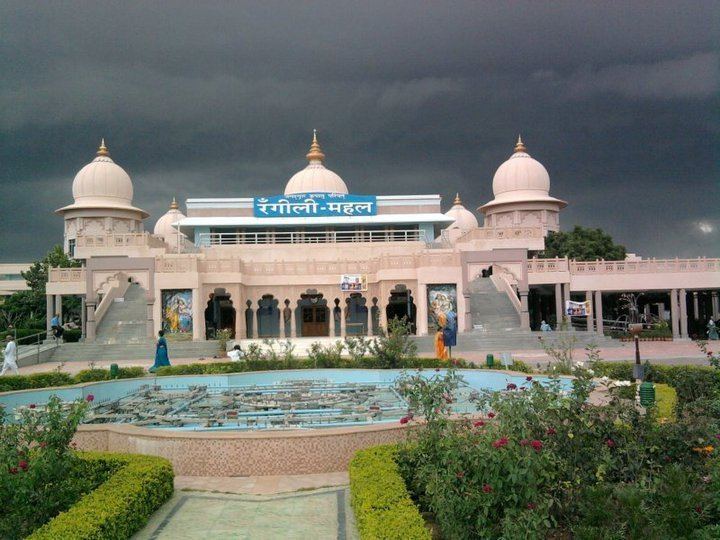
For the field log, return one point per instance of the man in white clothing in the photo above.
(10, 362)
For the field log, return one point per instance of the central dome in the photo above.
(102, 180)
(315, 178)
(521, 174)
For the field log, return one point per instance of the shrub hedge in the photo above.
(381, 502)
(120, 506)
(58, 378)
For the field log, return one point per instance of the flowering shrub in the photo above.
(39, 474)
(540, 457)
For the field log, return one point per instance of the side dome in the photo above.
(315, 178)
(465, 220)
(102, 178)
(521, 174)
(164, 226)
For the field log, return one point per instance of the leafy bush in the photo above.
(20, 333)
(72, 336)
(393, 346)
(382, 505)
(39, 474)
(119, 507)
(59, 378)
(323, 356)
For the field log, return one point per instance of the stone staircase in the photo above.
(496, 327)
(126, 320)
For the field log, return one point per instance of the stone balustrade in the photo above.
(502, 233)
(643, 266)
(67, 275)
(118, 240)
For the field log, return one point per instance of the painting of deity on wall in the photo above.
(177, 311)
(442, 299)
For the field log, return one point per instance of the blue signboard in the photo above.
(315, 205)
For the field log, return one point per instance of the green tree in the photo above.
(27, 308)
(582, 244)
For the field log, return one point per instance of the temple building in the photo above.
(317, 259)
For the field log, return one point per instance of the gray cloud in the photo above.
(620, 102)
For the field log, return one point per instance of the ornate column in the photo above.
(696, 307)
(589, 300)
(421, 314)
(293, 322)
(58, 307)
(683, 314)
(343, 317)
(524, 310)
(150, 324)
(674, 318)
(558, 306)
(198, 316)
(599, 312)
(49, 310)
(83, 319)
(90, 323)
(715, 305)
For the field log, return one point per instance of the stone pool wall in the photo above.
(242, 454)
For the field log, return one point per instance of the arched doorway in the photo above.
(356, 315)
(268, 317)
(219, 314)
(312, 315)
(401, 304)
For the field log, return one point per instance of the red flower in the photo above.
(491, 415)
(717, 436)
(13, 470)
(23, 465)
(89, 398)
(531, 506)
(698, 509)
(667, 459)
(512, 386)
(552, 431)
(524, 442)
(479, 423)
(43, 444)
(502, 441)
(537, 445)
(610, 443)
(32, 405)
(404, 419)
(487, 488)
(460, 474)
(528, 378)
(437, 369)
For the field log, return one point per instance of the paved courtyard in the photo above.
(321, 514)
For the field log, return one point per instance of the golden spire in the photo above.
(457, 199)
(315, 153)
(174, 205)
(520, 147)
(103, 151)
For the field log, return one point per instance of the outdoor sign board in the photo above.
(315, 205)
(577, 309)
(353, 283)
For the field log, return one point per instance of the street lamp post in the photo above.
(635, 330)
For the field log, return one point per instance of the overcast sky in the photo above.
(619, 101)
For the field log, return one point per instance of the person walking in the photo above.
(161, 353)
(56, 327)
(10, 360)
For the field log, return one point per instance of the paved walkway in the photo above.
(322, 514)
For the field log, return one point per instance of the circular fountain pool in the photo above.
(249, 424)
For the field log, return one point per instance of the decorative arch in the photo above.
(268, 316)
(312, 315)
(219, 313)
(401, 304)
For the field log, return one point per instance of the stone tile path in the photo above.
(261, 485)
(321, 514)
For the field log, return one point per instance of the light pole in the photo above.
(635, 330)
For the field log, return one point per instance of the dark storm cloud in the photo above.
(619, 101)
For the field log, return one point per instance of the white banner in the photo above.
(578, 309)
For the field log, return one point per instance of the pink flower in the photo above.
(610, 443)
(487, 488)
(524, 442)
(23, 465)
(512, 386)
(43, 444)
(528, 378)
(717, 436)
(491, 414)
(32, 405)
(13, 470)
(502, 441)
(537, 445)
(404, 419)
(552, 431)
(89, 398)
(460, 474)
(479, 423)
(531, 506)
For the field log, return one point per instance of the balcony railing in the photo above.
(643, 266)
(67, 275)
(120, 240)
(309, 237)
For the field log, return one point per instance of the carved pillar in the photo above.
(49, 310)
(588, 299)
(558, 305)
(198, 316)
(524, 310)
(696, 310)
(293, 323)
(599, 311)
(715, 305)
(683, 314)
(674, 315)
(59, 307)
(83, 319)
(90, 323)
(343, 318)
(421, 314)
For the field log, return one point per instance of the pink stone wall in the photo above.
(242, 454)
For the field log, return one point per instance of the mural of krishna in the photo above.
(177, 311)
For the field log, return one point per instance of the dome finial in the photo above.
(102, 150)
(520, 146)
(174, 205)
(315, 153)
(457, 199)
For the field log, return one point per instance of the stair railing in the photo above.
(117, 291)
